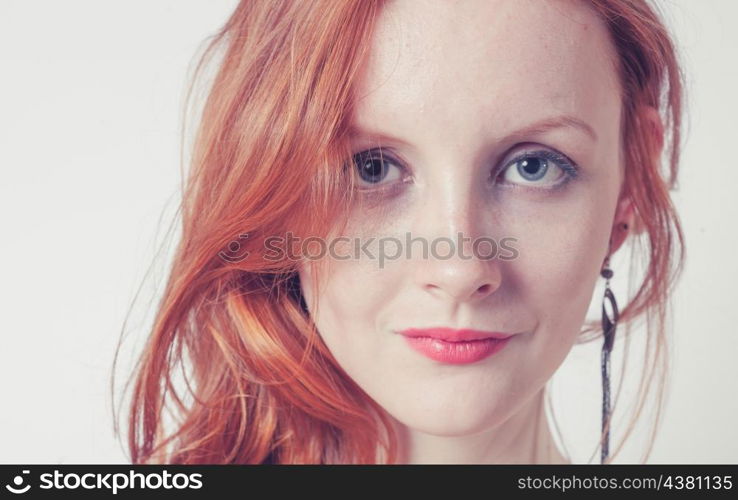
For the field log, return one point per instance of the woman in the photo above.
(533, 127)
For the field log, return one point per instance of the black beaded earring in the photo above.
(608, 330)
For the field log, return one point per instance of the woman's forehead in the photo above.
(493, 64)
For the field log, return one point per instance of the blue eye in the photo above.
(375, 168)
(544, 168)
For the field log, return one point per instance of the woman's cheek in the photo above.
(352, 294)
(559, 255)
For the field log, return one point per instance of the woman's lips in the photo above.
(448, 345)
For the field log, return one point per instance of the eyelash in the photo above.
(569, 168)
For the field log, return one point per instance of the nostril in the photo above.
(484, 289)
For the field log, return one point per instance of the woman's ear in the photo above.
(654, 127)
(626, 220)
(624, 223)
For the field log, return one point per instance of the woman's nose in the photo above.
(453, 213)
(456, 273)
(461, 264)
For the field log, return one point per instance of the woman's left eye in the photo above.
(539, 169)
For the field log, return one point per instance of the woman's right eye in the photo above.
(375, 168)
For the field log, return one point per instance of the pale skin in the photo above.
(454, 92)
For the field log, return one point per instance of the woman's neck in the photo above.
(525, 438)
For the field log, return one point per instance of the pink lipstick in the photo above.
(448, 345)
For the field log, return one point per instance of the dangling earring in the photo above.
(608, 331)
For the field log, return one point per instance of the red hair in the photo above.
(650, 80)
(257, 383)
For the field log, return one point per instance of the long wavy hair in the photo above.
(234, 370)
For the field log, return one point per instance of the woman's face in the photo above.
(497, 119)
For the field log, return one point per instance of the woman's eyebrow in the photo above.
(536, 128)
(356, 132)
(562, 121)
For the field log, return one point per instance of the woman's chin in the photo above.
(447, 424)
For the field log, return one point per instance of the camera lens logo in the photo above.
(18, 482)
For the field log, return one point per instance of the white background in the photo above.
(91, 98)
